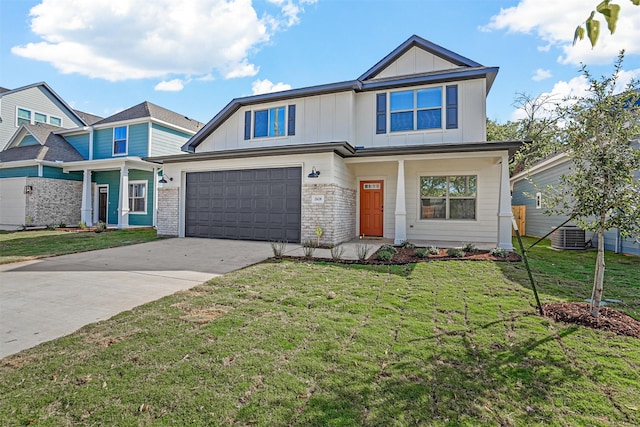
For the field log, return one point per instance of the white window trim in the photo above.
(113, 142)
(538, 200)
(32, 116)
(415, 110)
(146, 196)
(446, 198)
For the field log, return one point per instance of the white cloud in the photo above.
(541, 74)
(266, 86)
(175, 85)
(120, 40)
(554, 22)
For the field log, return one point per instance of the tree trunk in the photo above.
(598, 277)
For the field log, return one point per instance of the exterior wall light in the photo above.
(314, 173)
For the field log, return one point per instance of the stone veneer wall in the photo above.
(53, 201)
(168, 212)
(336, 216)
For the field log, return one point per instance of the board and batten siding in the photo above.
(483, 228)
(137, 142)
(166, 141)
(35, 99)
(471, 119)
(322, 118)
(414, 61)
(80, 143)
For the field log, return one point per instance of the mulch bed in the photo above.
(609, 319)
(406, 256)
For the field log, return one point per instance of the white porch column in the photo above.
(401, 210)
(123, 200)
(504, 207)
(155, 193)
(85, 212)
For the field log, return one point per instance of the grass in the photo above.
(25, 245)
(437, 343)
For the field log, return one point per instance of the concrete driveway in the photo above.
(52, 297)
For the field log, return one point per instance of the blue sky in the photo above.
(194, 56)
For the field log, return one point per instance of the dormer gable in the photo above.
(416, 56)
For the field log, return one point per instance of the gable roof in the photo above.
(148, 110)
(50, 147)
(468, 69)
(416, 41)
(48, 88)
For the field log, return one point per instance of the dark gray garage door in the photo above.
(251, 204)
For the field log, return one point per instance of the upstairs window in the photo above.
(24, 116)
(269, 122)
(416, 109)
(448, 197)
(55, 121)
(277, 121)
(138, 197)
(40, 118)
(120, 140)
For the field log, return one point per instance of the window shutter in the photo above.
(291, 129)
(452, 107)
(381, 113)
(247, 125)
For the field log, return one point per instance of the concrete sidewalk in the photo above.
(52, 297)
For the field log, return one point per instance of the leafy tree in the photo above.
(610, 12)
(600, 191)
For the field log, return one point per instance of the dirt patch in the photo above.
(578, 313)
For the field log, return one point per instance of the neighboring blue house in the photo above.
(528, 190)
(92, 171)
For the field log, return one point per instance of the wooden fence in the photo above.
(520, 215)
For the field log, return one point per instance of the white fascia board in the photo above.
(30, 162)
(434, 156)
(172, 126)
(109, 164)
(540, 167)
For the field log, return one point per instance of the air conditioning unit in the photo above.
(568, 237)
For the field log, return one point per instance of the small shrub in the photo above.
(82, 225)
(384, 255)
(278, 248)
(362, 251)
(421, 252)
(101, 226)
(62, 225)
(407, 245)
(50, 227)
(309, 247)
(336, 252)
(388, 248)
(470, 248)
(432, 250)
(455, 252)
(499, 252)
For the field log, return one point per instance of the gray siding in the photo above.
(37, 99)
(538, 224)
(166, 141)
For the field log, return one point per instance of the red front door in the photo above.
(371, 208)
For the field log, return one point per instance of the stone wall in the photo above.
(53, 201)
(336, 214)
(168, 212)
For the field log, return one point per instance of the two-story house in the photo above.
(400, 152)
(92, 170)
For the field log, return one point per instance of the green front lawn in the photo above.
(25, 245)
(437, 343)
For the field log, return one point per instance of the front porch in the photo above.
(119, 192)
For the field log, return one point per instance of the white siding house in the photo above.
(398, 153)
